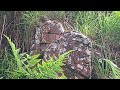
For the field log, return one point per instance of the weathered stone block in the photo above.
(53, 40)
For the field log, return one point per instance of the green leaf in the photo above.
(15, 53)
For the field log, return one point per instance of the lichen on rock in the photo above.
(53, 40)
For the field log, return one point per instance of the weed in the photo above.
(29, 67)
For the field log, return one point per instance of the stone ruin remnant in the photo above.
(52, 39)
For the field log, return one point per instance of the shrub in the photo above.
(29, 67)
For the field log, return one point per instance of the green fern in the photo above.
(29, 67)
(15, 53)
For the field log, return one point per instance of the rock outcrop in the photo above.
(51, 39)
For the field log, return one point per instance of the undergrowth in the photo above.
(107, 69)
(104, 30)
(24, 66)
(103, 27)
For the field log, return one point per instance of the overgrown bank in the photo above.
(102, 27)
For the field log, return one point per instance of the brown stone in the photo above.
(54, 41)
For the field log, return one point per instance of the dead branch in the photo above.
(3, 27)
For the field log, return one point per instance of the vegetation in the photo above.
(103, 27)
(23, 66)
